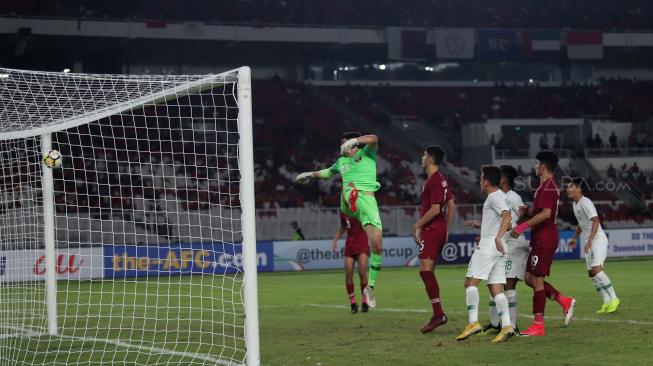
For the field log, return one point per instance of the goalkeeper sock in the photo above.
(375, 268)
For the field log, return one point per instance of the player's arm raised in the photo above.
(303, 178)
(428, 216)
(505, 226)
(533, 221)
(372, 142)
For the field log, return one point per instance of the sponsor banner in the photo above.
(454, 43)
(71, 264)
(317, 254)
(563, 251)
(185, 258)
(629, 242)
(498, 45)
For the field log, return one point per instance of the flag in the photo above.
(454, 43)
(540, 41)
(407, 44)
(497, 45)
(584, 45)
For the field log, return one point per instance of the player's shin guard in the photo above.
(601, 291)
(472, 299)
(539, 302)
(494, 314)
(375, 268)
(605, 282)
(501, 302)
(512, 306)
(433, 291)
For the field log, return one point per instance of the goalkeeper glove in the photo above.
(347, 146)
(304, 178)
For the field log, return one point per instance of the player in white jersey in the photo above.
(595, 244)
(517, 251)
(489, 259)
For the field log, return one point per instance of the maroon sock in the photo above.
(350, 293)
(433, 291)
(539, 301)
(363, 285)
(553, 294)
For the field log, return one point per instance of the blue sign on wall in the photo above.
(497, 45)
(183, 258)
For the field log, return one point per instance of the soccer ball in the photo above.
(52, 159)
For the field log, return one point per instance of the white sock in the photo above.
(606, 284)
(472, 300)
(494, 315)
(502, 307)
(599, 288)
(512, 306)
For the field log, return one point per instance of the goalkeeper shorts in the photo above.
(367, 210)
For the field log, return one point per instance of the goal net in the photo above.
(140, 248)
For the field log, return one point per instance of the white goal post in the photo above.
(141, 248)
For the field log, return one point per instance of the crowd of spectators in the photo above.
(291, 112)
(448, 107)
(111, 169)
(529, 14)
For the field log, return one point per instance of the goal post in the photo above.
(47, 189)
(246, 156)
(141, 248)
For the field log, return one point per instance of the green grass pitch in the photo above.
(305, 320)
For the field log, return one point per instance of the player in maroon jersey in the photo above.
(430, 232)
(544, 242)
(357, 249)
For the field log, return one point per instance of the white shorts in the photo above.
(598, 254)
(488, 267)
(517, 258)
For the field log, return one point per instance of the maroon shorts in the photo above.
(432, 242)
(540, 260)
(354, 250)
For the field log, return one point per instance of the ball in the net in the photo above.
(52, 159)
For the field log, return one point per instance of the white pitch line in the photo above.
(398, 310)
(31, 333)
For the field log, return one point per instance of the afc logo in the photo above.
(345, 168)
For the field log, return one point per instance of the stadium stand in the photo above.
(533, 14)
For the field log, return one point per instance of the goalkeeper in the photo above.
(357, 166)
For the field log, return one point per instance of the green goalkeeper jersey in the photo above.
(359, 169)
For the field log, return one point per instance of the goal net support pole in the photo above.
(246, 157)
(48, 237)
